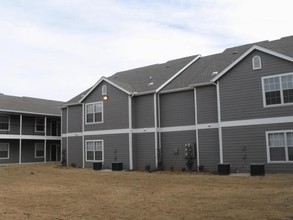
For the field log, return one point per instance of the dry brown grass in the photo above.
(51, 192)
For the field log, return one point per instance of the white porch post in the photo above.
(20, 140)
(130, 133)
(45, 144)
(156, 129)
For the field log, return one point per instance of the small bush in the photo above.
(147, 168)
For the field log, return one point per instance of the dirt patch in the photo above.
(51, 192)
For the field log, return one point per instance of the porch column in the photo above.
(45, 144)
(20, 134)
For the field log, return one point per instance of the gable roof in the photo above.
(140, 80)
(29, 105)
(201, 72)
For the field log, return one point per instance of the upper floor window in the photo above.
(278, 89)
(94, 112)
(256, 62)
(94, 150)
(40, 125)
(104, 90)
(4, 151)
(39, 150)
(280, 146)
(4, 122)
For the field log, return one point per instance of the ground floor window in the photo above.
(39, 150)
(95, 151)
(4, 151)
(280, 146)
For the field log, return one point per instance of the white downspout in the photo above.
(130, 133)
(196, 130)
(219, 121)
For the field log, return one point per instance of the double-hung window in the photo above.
(94, 112)
(95, 151)
(278, 89)
(40, 125)
(4, 123)
(4, 151)
(39, 150)
(280, 146)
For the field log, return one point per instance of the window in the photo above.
(95, 151)
(40, 125)
(4, 123)
(104, 90)
(94, 112)
(280, 146)
(4, 151)
(278, 90)
(39, 150)
(256, 63)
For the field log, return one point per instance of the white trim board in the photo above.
(29, 113)
(29, 137)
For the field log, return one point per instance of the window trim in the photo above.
(8, 122)
(87, 141)
(253, 63)
(8, 155)
(36, 119)
(286, 147)
(94, 122)
(281, 90)
(36, 144)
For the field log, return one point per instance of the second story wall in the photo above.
(74, 118)
(64, 120)
(241, 94)
(114, 113)
(143, 111)
(13, 124)
(177, 109)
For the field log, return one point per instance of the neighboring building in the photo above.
(30, 130)
(233, 107)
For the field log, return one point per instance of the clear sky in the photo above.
(55, 49)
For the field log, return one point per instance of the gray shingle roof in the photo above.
(201, 70)
(29, 105)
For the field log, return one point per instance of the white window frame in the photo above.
(254, 67)
(286, 146)
(36, 124)
(104, 90)
(93, 104)
(281, 90)
(8, 123)
(86, 142)
(8, 149)
(36, 145)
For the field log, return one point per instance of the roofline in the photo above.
(97, 83)
(254, 47)
(26, 112)
(70, 104)
(144, 93)
(178, 73)
(201, 84)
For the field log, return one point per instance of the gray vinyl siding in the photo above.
(173, 148)
(143, 111)
(115, 108)
(177, 109)
(112, 143)
(28, 126)
(75, 151)
(241, 89)
(75, 118)
(13, 126)
(253, 140)
(144, 150)
(206, 98)
(64, 121)
(13, 151)
(28, 151)
(209, 155)
(63, 146)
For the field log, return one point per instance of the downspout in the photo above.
(160, 135)
(130, 132)
(196, 130)
(156, 129)
(82, 121)
(219, 121)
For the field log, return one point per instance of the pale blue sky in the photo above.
(55, 49)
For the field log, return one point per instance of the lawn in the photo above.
(53, 192)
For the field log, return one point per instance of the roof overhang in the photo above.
(254, 47)
(29, 113)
